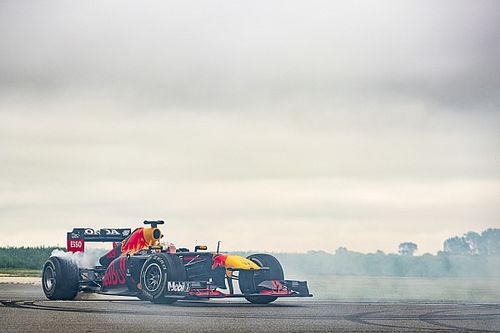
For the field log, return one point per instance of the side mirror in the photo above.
(200, 247)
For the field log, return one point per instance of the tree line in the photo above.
(25, 257)
(345, 262)
(472, 243)
(470, 255)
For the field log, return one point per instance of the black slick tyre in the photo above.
(60, 279)
(156, 272)
(275, 273)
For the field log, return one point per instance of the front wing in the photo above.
(203, 289)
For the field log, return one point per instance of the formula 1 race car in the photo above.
(138, 265)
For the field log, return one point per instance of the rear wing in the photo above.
(76, 239)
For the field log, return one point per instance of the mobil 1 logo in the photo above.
(176, 286)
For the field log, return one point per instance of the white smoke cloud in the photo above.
(88, 259)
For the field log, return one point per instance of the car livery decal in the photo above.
(178, 286)
(116, 275)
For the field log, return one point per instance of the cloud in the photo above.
(325, 118)
(235, 55)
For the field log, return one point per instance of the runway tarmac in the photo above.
(24, 308)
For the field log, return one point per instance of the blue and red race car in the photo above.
(138, 265)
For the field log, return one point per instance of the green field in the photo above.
(356, 288)
(6, 272)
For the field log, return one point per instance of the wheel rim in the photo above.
(49, 278)
(153, 277)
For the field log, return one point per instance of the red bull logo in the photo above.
(135, 242)
(116, 275)
(219, 261)
(142, 238)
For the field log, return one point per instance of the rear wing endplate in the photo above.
(76, 239)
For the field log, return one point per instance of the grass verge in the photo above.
(14, 272)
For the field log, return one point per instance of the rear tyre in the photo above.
(60, 279)
(155, 273)
(275, 273)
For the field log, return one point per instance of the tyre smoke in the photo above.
(87, 259)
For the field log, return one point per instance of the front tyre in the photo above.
(155, 273)
(275, 273)
(60, 279)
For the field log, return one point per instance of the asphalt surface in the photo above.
(23, 308)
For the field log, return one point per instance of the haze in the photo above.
(269, 125)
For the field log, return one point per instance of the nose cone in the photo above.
(237, 262)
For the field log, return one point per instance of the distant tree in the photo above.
(490, 242)
(487, 243)
(316, 252)
(474, 241)
(407, 248)
(457, 246)
(341, 250)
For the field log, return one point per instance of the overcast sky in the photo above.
(270, 125)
